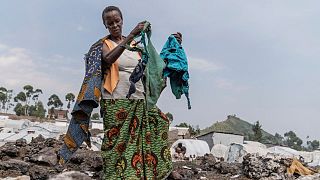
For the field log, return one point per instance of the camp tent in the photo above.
(193, 147)
(219, 151)
(237, 151)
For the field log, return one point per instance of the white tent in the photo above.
(284, 151)
(237, 151)
(219, 150)
(193, 147)
(315, 159)
(312, 158)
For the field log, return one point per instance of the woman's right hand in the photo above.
(136, 31)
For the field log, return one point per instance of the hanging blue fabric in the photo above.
(177, 68)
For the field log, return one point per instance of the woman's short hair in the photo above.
(111, 8)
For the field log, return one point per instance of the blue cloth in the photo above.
(177, 68)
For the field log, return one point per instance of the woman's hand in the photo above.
(136, 31)
(178, 36)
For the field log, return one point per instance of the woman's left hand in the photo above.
(178, 36)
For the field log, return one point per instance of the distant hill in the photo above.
(236, 125)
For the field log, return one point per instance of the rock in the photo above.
(23, 151)
(38, 139)
(228, 168)
(258, 167)
(175, 175)
(9, 149)
(16, 165)
(50, 142)
(9, 173)
(21, 142)
(46, 156)
(40, 172)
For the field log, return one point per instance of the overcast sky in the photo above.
(258, 59)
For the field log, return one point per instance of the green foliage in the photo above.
(257, 131)
(95, 116)
(25, 98)
(35, 95)
(55, 101)
(70, 98)
(313, 145)
(37, 110)
(278, 139)
(20, 109)
(293, 141)
(20, 97)
(5, 99)
(29, 90)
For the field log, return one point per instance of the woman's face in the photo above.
(113, 23)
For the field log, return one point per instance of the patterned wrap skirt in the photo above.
(135, 144)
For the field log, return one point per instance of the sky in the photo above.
(257, 59)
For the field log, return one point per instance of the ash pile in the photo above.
(38, 160)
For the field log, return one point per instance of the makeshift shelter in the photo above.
(236, 151)
(220, 151)
(194, 147)
(284, 151)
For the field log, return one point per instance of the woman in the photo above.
(135, 144)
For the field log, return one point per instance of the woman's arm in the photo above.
(111, 56)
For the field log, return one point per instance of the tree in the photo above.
(292, 140)
(257, 131)
(5, 99)
(37, 110)
(19, 109)
(2, 100)
(278, 139)
(35, 96)
(70, 98)
(21, 100)
(95, 116)
(313, 145)
(55, 101)
(28, 92)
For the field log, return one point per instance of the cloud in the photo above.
(203, 64)
(19, 67)
(227, 84)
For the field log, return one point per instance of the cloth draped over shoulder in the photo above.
(112, 75)
(88, 99)
(176, 68)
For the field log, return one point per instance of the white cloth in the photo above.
(126, 62)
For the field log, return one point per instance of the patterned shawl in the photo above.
(88, 98)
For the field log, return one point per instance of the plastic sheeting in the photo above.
(315, 159)
(312, 158)
(193, 147)
(220, 150)
(237, 151)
